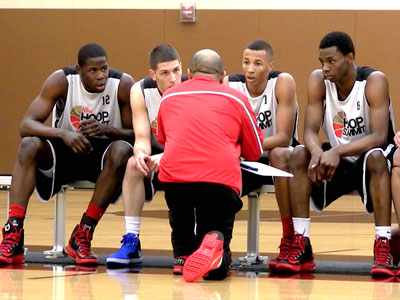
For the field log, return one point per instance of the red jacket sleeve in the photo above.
(160, 127)
(251, 135)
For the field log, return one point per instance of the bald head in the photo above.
(206, 62)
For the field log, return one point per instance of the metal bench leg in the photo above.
(253, 222)
(59, 225)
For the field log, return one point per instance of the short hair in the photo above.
(338, 39)
(90, 51)
(162, 53)
(259, 44)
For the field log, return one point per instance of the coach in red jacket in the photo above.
(205, 128)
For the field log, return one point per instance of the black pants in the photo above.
(198, 208)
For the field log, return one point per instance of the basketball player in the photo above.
(92, 124)
(353, 107)
(272, 95)
(141, 173)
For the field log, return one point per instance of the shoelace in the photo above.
(10, 239)
(83, 238)
(284, 249)
(382, 252)
(296, 247)
(134, 244)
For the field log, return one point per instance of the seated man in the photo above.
(272, 96)
(141, 172)
(92, 125)
(205, 128)
(352, 104)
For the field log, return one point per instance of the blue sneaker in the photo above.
(130, 252)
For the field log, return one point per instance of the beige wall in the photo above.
(34, 43)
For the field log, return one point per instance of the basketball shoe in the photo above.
(129, 253)
(178, 265)
(383, 260)
(12, 245)
(300, 257)
(284, 249)
(79, 245)
(206, 258)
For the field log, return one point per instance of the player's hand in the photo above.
(313, 167)
(153, 162)
(397, 139)
(77, 142)
(92, 128)
(141, 163)
(328, 164)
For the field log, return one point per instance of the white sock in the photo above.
(302, 226)
(384, 231)
(132, 224)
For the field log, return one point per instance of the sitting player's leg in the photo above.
(395, 179)
(33, 152)
(300, 256)
(107, 189)
(380, 194)
(279, 158)
(133, 198)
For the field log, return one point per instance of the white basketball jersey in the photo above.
(348, 120)
(79, 104)
(152, 99)
(264, 106)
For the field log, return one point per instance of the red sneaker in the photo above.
(206, 258)
(178, 265)
(12, 245)
(284, 249)
(300, 257)
(383, 260)
(79, 245)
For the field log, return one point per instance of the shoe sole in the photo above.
(123, 262)
(206, 258)
(287, 267)
(177, 270)
(81, 261)
(382, 272)
(17, 259)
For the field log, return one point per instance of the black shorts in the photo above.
(251, 181)
(348, 177)
(69, 166)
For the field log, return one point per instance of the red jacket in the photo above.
(205, 128)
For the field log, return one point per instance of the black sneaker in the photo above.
(383, 260)
(12, 245)
(300, 257)
(79, 245)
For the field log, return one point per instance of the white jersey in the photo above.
(152, 99)
(265, 106)
(80, 104)
(348, 120)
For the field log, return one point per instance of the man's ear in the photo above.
(221, 80)
(189, 73)
(350, 58)
(78, 68)
(152, 74)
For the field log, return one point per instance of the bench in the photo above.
(253, 227)
(59, 212)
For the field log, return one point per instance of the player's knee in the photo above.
(376, 163)
(299, 158)
(29, 148)
(279, 158)
(118, 154)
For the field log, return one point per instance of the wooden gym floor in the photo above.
(342, 233)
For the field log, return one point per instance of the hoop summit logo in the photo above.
(75, 116)
(338, 121)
